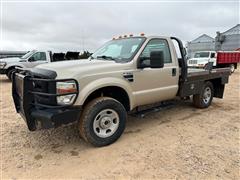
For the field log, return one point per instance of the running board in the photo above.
(160, 106)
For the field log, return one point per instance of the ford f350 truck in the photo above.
(124, 74)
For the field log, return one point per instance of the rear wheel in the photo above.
(102, 121)
(204, 99)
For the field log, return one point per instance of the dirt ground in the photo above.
(176, 143)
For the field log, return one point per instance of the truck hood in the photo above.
(10, 60)
(80, 68)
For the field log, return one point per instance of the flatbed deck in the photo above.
(202, 74)
(197, 77)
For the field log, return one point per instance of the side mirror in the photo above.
(31, 59)
(156, 59)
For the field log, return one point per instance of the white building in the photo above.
(226, 41)
(202, 43)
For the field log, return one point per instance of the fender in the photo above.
(11, 65)
(101, 83)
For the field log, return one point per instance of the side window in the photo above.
(212, 55)
(39, 56)
(157, 45)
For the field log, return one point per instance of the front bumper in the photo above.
(196, 65)
(39, 109)
(3, 71)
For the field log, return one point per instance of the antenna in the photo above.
(83, 39)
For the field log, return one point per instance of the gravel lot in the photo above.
(176, 143)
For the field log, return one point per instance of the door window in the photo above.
(39, 56)
(212, 55)
(157, 45)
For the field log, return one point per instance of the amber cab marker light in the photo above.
(142, 34)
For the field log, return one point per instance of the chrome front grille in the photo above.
(192, 62)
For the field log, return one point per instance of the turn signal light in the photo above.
(66, 87)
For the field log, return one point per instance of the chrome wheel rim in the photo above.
(207, 95)
(106, 123)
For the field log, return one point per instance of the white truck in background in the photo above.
(202, 58)
(219, 59)
(29, 60)
(32, 59)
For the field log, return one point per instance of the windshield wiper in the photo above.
(105, 57)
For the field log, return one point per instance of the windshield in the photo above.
(119, 50)
(201, 55)
(27, 55)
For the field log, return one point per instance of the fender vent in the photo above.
(128, 76)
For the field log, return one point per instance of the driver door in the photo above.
(156, 84)
(36, 59)
(213, 58)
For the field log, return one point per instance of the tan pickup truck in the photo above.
(124, 74)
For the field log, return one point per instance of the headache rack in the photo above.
(39, 92)
(34, 97)
(44, 92)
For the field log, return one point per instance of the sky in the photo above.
(77, 26)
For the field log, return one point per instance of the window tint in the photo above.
(39, 56)
(157, 45)
(201, 55)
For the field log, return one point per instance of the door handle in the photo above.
(174, 71)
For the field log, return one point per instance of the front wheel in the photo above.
(102, 121)
(204, 99)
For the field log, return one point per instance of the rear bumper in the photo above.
(3, 71)
(35, 114)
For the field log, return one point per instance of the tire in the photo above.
(204, 99)
(10, 73)
(232, 67)
(102, 121)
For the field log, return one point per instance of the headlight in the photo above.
(2, 64)
(66, 99)
(69, 88)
